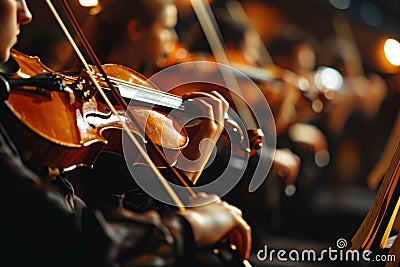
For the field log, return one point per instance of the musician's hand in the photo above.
(311, 139)
(286, 165)
(203, 136)
(308, 137)
(211, 222)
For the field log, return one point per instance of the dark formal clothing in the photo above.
(44, 224)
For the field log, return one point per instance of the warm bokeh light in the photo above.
(89, 3)
(328, 78)
(392, 51)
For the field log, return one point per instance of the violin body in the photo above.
(45, 127)
(62, 130)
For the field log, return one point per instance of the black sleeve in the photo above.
(148, 238)
(36, 221)
(39, 227)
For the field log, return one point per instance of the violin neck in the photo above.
(151, 99)
(133, 94)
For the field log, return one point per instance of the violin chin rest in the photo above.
(10, 67)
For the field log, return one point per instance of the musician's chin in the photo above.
(13, 42)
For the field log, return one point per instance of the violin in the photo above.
(81, 126)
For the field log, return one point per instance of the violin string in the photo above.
(141, 150)
(137, 86)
